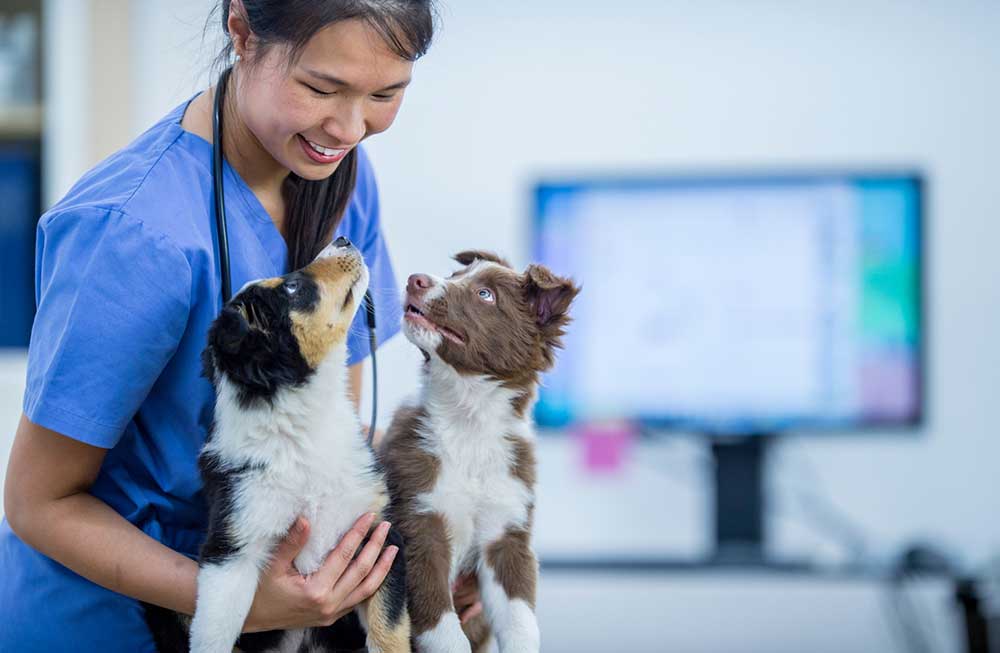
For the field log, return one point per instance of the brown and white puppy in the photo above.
(460, 463)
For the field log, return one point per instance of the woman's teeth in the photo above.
(325, 151)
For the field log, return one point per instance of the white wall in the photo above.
(515, 89)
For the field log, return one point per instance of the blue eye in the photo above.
(291, 286)
(486, 295)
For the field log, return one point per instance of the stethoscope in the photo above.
(223, 236)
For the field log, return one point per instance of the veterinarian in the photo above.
(102, 499)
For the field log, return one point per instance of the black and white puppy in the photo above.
(287, 441)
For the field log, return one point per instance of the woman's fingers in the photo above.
(340, 557)
(472, 611)
(362, 565)
(374, 579)
(465, 591)
(290, 545)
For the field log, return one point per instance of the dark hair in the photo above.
(314, 208)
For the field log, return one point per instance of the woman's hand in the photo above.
(287, 599)
(465, 595)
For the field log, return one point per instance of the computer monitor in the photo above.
(735, 304)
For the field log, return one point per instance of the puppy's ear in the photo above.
(229, 331)
(468, 257)
(549, 297)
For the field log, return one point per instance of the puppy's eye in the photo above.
(291, 286)
(486, 295)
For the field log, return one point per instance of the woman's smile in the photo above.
(320, 154)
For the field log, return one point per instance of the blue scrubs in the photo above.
(127, 284)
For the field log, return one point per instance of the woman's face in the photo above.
(346, 86)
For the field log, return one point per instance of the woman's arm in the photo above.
(48, 505)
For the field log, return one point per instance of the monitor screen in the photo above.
(737, 304)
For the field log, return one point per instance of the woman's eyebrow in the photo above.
(336, 80)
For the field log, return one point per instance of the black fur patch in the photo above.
(219, 486)
(346, 634)
(260, 642)
(251, 341)
(169, 633)
(394, 586)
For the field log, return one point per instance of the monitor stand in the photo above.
(739, 499)
(741, 502)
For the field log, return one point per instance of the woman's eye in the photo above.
(486, 295)
(291, 287)
(316, 90)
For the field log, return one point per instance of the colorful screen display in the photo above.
(737, 304)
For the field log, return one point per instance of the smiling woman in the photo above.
(103, 498)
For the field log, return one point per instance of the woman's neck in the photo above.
(243, 151)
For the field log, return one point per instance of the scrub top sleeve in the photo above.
(382, 282)
(113, 300)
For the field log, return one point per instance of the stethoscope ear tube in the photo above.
(220, 200)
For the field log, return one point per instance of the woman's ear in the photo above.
(238, 27)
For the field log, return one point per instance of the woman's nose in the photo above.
(347, 127)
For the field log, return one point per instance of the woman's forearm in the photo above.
(88, 536)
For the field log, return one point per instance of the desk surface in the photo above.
(735, 612)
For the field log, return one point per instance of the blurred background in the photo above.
(771, 429)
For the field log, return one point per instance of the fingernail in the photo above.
(385, 526)
(393, 550)
(369, 518)
(300, 525)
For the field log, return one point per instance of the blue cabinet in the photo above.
(20, 205)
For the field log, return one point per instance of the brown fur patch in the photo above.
(514, 565)
(478, 631)
(428, 560)
(412, 471)
(271, 283)
(521, 402)
(469, 256)
(524, 465)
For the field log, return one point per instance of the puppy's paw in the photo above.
(445, 637)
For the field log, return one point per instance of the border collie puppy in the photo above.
(460, 463)
(286, 441)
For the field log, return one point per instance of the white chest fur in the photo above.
(470, 423)
(310, 460)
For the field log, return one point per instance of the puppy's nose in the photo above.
(341, 242)
(418, 284)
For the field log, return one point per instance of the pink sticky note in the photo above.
(605, 445)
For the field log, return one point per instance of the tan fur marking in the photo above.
(514, 565)
(315, 335)
(388, 637)
(315, 331)
(271, 283)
